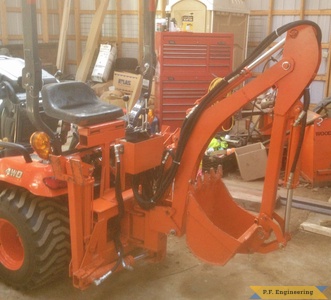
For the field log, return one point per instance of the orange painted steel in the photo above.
(30, 176)
(216, 227)
(316, 152)
(290, 76)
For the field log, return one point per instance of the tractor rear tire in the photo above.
(34, 239)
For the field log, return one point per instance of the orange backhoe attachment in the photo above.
(217, 227)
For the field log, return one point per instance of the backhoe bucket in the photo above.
(217, 228)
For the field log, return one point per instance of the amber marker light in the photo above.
(40, 143)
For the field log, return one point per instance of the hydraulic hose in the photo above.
(303, 120)
(120, 205)
(144, 202)
(193, 118)
(306, 102)
(118, 191)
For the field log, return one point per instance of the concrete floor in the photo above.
(305, 261)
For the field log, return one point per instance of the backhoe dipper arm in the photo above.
(230, 229)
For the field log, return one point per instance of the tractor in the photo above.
(95, 206)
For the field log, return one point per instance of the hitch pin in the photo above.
(124, 265)
(110, 272)
(103, 278)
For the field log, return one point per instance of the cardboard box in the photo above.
(100, 88)
(128, 84)
(103, 65)
(252, 161)
(113, 97)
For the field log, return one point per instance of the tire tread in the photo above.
(48, 227)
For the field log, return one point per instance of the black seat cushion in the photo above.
(75, 102)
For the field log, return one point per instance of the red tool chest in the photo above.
(187, 63)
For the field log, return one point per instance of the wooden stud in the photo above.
(119, 27)
(302, 9)
(270, 15)
(60, 59)
(44, 21)
(162, 5)
(141, 30)
(3, 22)
(91, 44)
(313, 12)
(60, 9)
(77, 32)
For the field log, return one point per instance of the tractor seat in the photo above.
(75, 102)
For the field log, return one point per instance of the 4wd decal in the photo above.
(13, 173)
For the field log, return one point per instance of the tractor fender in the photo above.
(31, 176)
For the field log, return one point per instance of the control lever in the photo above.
(145, 115)
(126, 99)
(140, 108)
(137, 128)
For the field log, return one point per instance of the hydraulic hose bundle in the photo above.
(193, 117)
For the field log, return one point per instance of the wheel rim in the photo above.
(11, 246)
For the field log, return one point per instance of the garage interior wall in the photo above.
(123, 23)
(267, 16)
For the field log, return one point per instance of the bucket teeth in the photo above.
(208, 177)
(215, 175)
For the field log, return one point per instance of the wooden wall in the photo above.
(50, 14)
(274, 13)
(123, 25)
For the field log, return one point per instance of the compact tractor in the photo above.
(97, 205)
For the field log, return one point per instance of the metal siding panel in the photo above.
(54, 25)
(318, 4)
(130, 26)
(85, 24)
(52, 4)
(279, 21)
(130, 5)
(325, 23)
(13, 3)
(109, 27)
(87, 5)
(72, 53)
(130, 50)
(257, 28)
(286, 5)
(257, 4)
(112, 5)
(14, 23)
(325, 4)
(316, 91)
